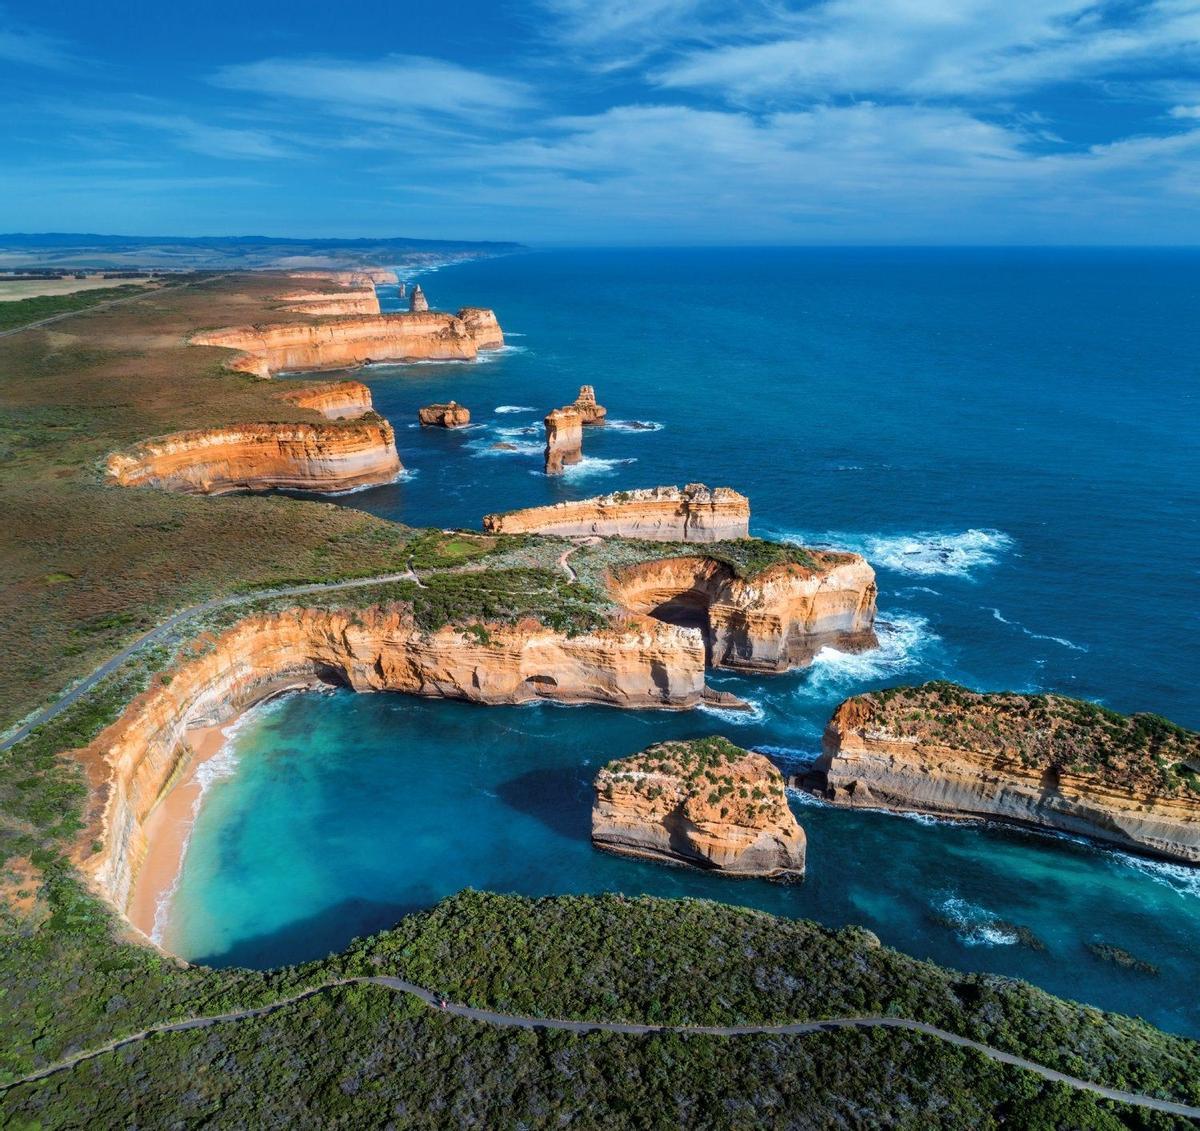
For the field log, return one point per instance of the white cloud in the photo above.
(932, 48)
(32, 49)
(405, 84)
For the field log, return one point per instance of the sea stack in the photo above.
(1040, 760)
(564, 439)
(585, 404)
(402, 291)
(706, 803)
(449, 415)
(418, 301)
(694, 513)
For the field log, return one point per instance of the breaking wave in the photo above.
(592, 465)
(504, 408)
(923, 554)
(1036, 635)
(634, 426)
(904, 640)
(975, 925)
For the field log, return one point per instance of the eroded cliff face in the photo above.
(672, 514)
(255, 457)
(329, 304)
(776, 620)
(707, 803)
(585, 404)
(344, 342)
(1042, 760)
(335, 400)
(639, 663)
(564, 439)
(360, 276)
(449, 415)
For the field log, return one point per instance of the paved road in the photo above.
(109, 666)
(105, 305)
(517, 1021)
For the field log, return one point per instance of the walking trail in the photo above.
(518, 1021)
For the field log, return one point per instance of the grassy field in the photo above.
(87, 566)
(18, 312)
(13, 291)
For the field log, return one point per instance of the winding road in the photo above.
(74, 694)
(519, 1021)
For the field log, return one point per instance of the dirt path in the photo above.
(518, 1021)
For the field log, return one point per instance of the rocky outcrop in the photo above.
(418, 302)
(329, 304)
(335, 400)
(669, 514)
(255, 457)
(449, 415)
(706, 803)
(346, 342)
(360, 276)
(1040, 760)
(134, 762)
(772, 620)
(564, 439)
(585, 404)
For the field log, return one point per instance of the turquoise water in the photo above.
(1009, 440)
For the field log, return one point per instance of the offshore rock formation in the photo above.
(340, 343)
(670, 514)
(564, 439)
(1041, 760)
(418, 302)
(585, 404)
(328, 304)
(134, 762)
(707, 803)
(255, 457)
(335, 400)
(449, 415)
(777, 619)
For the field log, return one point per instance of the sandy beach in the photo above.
(168, 827)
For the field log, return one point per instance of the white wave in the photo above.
(734, 715)
(520, 430)
(634, 426)
(787, 754)
(975, 925)
(1036, 635)
(923, 554)
(503, 408)
(519, 448)
(484, 357)
(803, 797)
(904, 638)
(1183, 879)
(917, 589)
(592, 465)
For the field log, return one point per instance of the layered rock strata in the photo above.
(346, 342)
(449, 415)
(693, 513)
(327, 305)
(335, 400)
(360, 276)
(133, 763)
(706, 803)
(564, 440)
(585, 404)
(1040, 760)
(256, 457)
(777, 619)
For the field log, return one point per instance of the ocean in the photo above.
(1008, 436)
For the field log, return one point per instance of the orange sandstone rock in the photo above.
(342, 342)
(449, 415)
(130, 765)
(775, 620)
(590, 412)
(706, 803)
(670, 514)
(335, 400)
(330, 304)
(214, 461)
(564, 439)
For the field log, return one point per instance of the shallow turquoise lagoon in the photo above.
(1008, 438)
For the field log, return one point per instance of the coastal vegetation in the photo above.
(23, 311)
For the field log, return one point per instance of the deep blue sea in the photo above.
(1009, 437)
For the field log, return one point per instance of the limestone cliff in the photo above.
(449, 415)
(335, 400)
(564, 439)
(638, 663)
(343, 342)
(255, 457)
(707, 803)
(358, 277)
(328, 304)
(417, 301)
(1041, 760)
(585, 404)
(672, 514)
(768, 621)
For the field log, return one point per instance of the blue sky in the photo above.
(627, 121)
